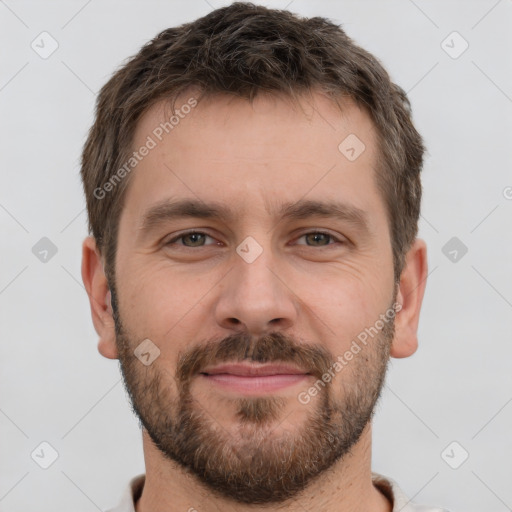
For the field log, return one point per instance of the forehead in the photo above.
(270, 149)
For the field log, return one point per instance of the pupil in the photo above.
(319, 237)
(194, 238)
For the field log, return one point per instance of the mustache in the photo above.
(238, 347)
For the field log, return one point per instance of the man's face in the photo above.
(271, 275)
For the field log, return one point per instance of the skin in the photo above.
(253, 158)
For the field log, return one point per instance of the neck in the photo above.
(346, 486)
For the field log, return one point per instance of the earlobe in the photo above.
(95, 282)
(410, 297)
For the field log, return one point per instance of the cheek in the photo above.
(164, 305)
(344, 302)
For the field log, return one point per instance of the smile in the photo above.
(254, 379)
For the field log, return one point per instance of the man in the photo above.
(253, 189)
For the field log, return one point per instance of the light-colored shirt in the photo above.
(387, 486)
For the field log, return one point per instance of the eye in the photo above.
(318, 239)
(198, 239)
(190, 239)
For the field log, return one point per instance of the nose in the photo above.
(255, 298)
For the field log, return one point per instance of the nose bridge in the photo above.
(252, 296)
(254, 276)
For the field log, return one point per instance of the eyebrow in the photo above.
(169, 210)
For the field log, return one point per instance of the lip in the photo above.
(251, 369)
(254, 378)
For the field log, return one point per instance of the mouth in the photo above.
(253, 378)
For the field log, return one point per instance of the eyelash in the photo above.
(316, 232)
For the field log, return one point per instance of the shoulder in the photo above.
(130, 495)
(400, 501)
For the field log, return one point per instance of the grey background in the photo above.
(54, 385)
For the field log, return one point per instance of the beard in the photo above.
(260, 461)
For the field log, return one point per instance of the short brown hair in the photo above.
(244, 49)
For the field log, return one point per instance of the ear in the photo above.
(95, 282)
(410, 295)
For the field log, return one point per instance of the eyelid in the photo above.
(337, 238)
(175, 238)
